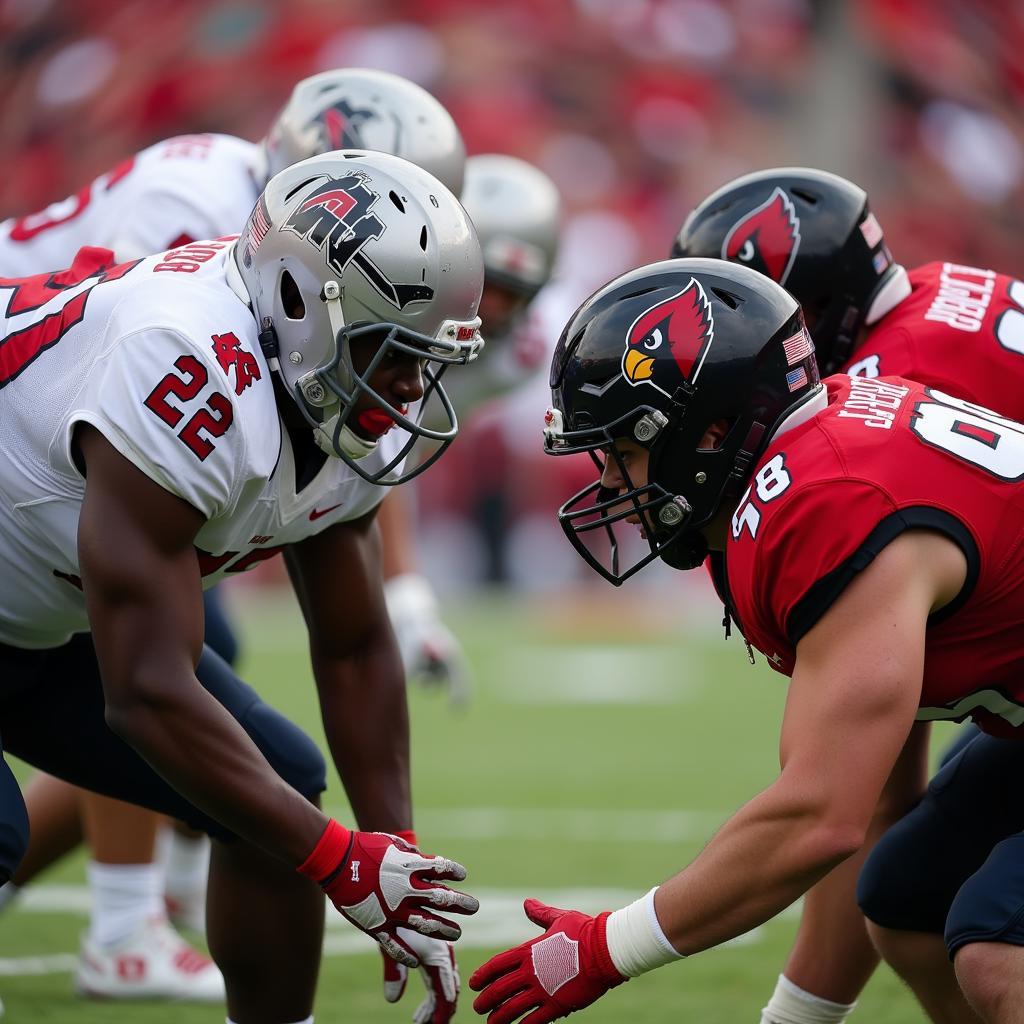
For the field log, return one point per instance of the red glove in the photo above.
(380, 883)
(438, 970)
(565, 969)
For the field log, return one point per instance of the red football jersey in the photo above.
(884, 456)
(961, 330)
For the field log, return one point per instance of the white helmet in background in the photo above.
(356, 108)
(374, 247)
(516, 210)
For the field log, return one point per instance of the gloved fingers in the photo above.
(437, 869)
(541, 914)
(427, 1012)
(502, 990)
(519, 1005)
(460, 683)
(499, 964)
(447, 899)
(396, 949)
(396, 976)
(542, 1015)
(425, 923)
(442, 985)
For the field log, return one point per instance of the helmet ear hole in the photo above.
(715, 435)
(291, 298)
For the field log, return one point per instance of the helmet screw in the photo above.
(314, 391)
(648, 425)
(701, 477)
(674, 512)
(451, 332)
(295, 357)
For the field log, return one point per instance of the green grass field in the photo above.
(597, 757)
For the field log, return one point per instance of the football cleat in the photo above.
(154, 962)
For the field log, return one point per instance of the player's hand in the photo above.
(440, 976)
(559, 972)
(382, 884)
(430, 653)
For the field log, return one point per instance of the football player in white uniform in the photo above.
(515, 208)
(187, 188)
(172, 420)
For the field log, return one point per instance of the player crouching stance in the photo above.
(864, 536)
(174, 419)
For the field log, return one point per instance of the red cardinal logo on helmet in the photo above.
(680, 327)
(767, 238)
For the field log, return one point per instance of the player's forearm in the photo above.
(833, 956)
(192, 741)
(397, 526)
(366, 721)
(764, 858)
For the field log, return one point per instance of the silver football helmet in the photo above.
(356, 108)
(516, 209)
(356, 245)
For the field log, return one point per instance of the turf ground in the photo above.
(598, 755)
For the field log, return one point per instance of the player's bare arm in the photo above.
(849, 710)
(142, 587)
(357, 668)
(832, 929)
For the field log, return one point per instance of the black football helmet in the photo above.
(810, 231)
(658, 356)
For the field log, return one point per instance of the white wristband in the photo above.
(790, 1004)
(636, 941)
(410, 594)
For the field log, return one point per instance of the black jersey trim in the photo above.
(826, 591)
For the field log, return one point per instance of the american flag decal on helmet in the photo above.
(796, 379)
(798, 348)
(256, 230)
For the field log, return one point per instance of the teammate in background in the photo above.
(956, 328)
(866, 539)
(515, 208)
(183, 189)
(179, 418)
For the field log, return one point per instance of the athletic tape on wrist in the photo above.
(790, 1004)
(636, 942)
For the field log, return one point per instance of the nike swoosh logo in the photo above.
(316, 513)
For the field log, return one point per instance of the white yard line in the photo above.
(500, 922)
(596, 674)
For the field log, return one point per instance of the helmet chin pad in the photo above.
(685, 552)
(348, 441)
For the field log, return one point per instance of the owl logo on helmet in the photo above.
(682, 327)
(767, 238)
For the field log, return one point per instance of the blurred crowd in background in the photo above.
(636, 108)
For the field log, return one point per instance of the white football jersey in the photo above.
(181, 189)
(162, 357)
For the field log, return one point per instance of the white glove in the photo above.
(440, 976)
(430, 653)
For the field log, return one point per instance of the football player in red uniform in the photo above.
(949, 326)
(866, 537)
